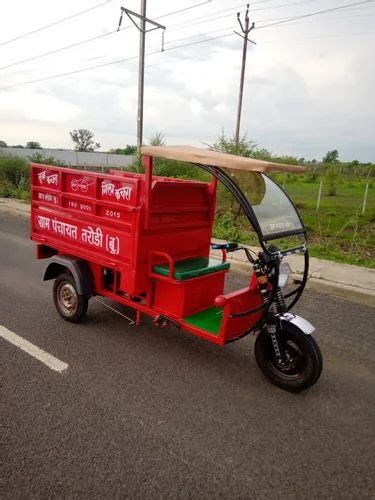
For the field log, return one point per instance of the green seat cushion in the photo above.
(191, 268)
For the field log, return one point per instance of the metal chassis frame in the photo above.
(146, 308)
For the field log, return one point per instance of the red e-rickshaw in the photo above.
(144, 241)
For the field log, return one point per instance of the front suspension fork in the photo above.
(271, 329)
(271, 322)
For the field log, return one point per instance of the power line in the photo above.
(51, 77)
(353, 9)
(302, 39)
(166, 43)
(367, 15)
(184, 9)
(55, 22)
(55, 51)
(196, 42)
(97, 37)
(210, 14)
(201, 20)
(103, 35)
(314, 13)
(184, 45)
(346, 35)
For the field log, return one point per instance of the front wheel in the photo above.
(301, 362)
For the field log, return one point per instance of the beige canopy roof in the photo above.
(217, 159)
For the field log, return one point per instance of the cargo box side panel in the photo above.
(79, 236)
(91, 215)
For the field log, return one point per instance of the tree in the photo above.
(332, 174)
(262, 154)
(33, 145)
(331, 157)
(288, 160)
(157, 139)
(332, 179)
(245, 147)
(3, 144)
(83, 140)
(249, 181)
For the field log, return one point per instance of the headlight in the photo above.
(284, 273)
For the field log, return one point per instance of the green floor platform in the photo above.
(209, 320)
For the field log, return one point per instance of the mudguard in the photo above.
(79, 269)
(301, 323)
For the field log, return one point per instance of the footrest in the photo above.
(208, 320)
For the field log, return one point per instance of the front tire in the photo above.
(301, 364)
(69, 304)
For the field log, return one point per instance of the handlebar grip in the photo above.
(224, 246)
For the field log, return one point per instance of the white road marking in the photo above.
(43, 356)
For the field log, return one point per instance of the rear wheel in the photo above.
(301, 362)
(69, 304)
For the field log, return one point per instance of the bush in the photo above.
(5, 189)
(312, 177)
(14, 177)
(46, 160)
(226, 227)
(332, 179)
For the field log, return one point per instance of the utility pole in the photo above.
(245, 35)
(141, 75)
(142, 27)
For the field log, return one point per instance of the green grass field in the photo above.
(337, 231)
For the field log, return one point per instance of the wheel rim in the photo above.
(293, 360)
(67, 298)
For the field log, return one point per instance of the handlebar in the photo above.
(229, 247)
(292, 251)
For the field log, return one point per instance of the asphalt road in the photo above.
(149, 413)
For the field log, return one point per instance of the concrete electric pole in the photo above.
(141, 75)
(141, 69)
(245, 35)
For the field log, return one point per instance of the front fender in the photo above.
(301, 323)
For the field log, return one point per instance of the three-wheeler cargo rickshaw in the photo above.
(144, 241)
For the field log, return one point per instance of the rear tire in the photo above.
(69, 304)
(302, 359)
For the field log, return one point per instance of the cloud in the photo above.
(303, 94)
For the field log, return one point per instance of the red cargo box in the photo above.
(116, 219)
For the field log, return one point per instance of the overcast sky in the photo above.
(309, 83)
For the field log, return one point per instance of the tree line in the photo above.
(83, 141)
